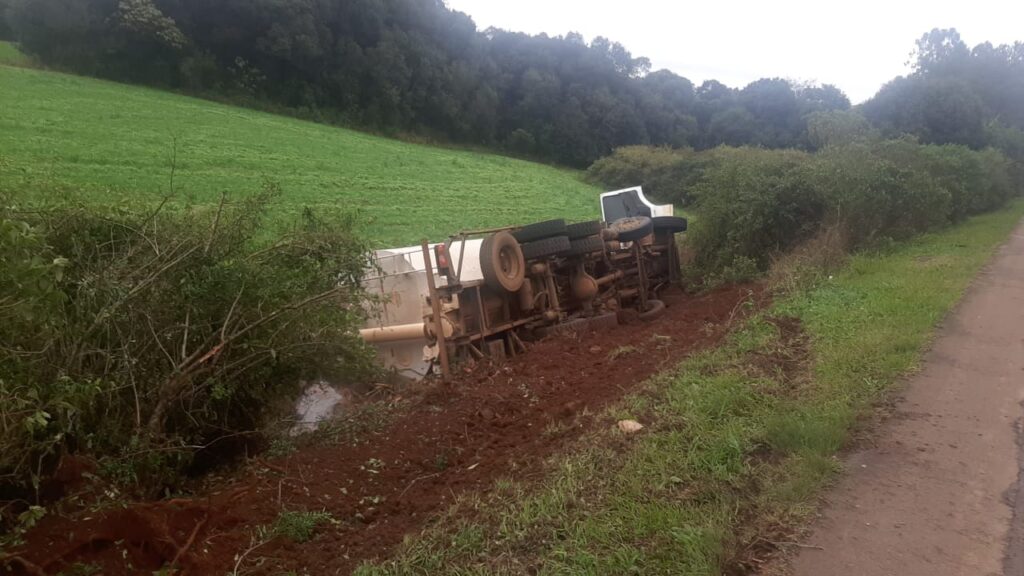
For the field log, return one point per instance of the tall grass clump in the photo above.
(137, 336)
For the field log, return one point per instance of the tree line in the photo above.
(416, 66)
(413, 66)
(956, 94)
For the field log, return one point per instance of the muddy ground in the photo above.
(490, 421)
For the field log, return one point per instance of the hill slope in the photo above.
(116, 143)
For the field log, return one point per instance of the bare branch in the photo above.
(215, 225)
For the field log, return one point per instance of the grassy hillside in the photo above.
(115, 144)
(9, 54)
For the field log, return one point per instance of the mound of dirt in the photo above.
(490, 421)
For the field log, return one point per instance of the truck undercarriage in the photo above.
(483, 293)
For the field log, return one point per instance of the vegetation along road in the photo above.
(938, 491)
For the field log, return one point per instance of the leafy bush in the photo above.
(754, 204)
(137, 336)
(666, 174)
(751, 203)
(873, 193)
(837, 128)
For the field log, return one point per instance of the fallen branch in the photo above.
(30, 567)
(189, 542)
(414, 480)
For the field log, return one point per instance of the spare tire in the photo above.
(584, 246)
(583, 229)
(540, 230)
(631, 228)
(672, 224)
(502, 262)
(546, 248)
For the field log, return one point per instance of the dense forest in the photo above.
(415, 66)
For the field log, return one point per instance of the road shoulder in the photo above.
(935, 492)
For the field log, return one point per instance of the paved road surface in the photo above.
(938, 494)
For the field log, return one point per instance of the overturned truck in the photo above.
(484, 292)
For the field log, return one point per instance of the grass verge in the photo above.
(739, 440)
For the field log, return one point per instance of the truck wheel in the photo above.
(546, 248)
(672, 224)
(602, 323)
(540, 230)
(655, 309)
(584, 246)
(502, 262)
(631, 228)
(583, 229)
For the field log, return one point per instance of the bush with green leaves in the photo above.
(139, 335)
(667, 175)
(754, 202)
(877, 192)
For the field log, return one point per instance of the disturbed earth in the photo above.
(391, 479)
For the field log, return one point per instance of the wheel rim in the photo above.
(508, 262)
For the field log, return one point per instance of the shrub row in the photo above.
(137, 335)
(752, 203)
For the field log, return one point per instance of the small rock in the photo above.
(630, 426)
(595, 349)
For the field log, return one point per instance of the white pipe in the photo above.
(394, 333)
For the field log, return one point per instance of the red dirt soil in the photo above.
(490, 421)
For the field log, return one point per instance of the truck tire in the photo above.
(672, 224)
(539, 231)
(584, 246)
(632, 228)
(599, 324)
(546, 248)
(655, 309)
(583, 229)
(604, 323)
(502, 262)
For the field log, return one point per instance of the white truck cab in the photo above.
(630, 202)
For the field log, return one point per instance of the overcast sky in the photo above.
(857, 46)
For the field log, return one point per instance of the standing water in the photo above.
(318, 403)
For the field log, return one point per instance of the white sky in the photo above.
(857, 46)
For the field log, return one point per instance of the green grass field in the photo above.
(115, 143)
(11, 56)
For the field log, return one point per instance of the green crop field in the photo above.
(9, 54)
(112, 143)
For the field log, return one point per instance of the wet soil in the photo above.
(490, 421)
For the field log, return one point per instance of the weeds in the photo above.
(621, 351)
(299, 526)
